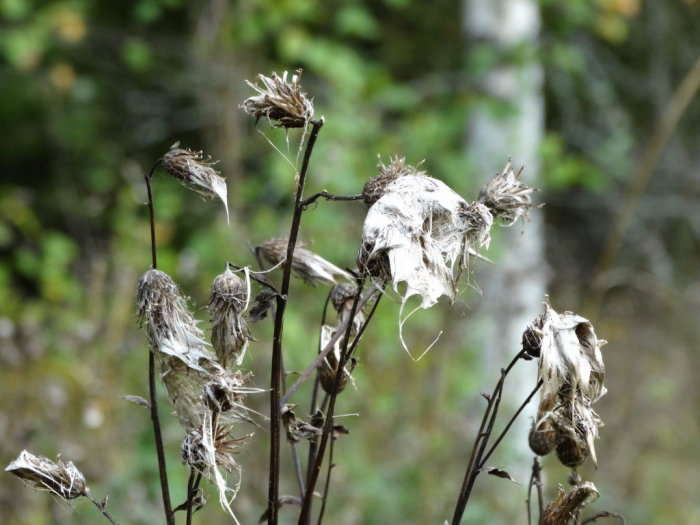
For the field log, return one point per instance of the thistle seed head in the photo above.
(312, 268)
(506, 197)
(196, 173)
(571, 368)
(280, 101)
(60, 478)
(342, 294)
(424, 229)
(230, 333)
(171, 328)
(376, 186)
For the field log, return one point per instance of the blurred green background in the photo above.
(92, 93)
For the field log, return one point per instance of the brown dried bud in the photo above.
(506, 197)
(205, 452)
(543, 438)
(230, 334)
(376, 186)
(532, 338)
(60, 478)
(196, 173)
(312, 268)
(342, 294)
(571, 449)
(281, 101)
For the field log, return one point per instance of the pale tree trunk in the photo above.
(514, 287)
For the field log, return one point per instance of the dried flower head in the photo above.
(572, 370)
(171, 328)
(229, 333)
(312, 268)
(60, 478)
(329, 368)
(225, 392)
(195, 172)
(506, 197)
(566, 508)
(280, 100)
(424, 229)
(376, 186)
(209, 449)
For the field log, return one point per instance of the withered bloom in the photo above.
(171, 328)
(312, 268)
(572, 370)
(506, 197)
(195, 172)
(209, 449)
(567, 507)
(280, 101)
(229, 333)
(375, 187)
(60, 478)
(426, 233)
(328, 369)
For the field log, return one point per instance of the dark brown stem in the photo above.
(192, 488)
(342, 328)
(328, 425)
(327, 486)
(276, 369)
(329, 197)
(510, 423)
(152, 214)
(480, 443)
(536, 481)
(162, 469)
(101, 507)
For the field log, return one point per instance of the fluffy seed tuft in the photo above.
(60, 478)
(280, 101)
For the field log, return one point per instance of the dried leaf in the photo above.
(261, 304)
(499, 473)
(138, 400)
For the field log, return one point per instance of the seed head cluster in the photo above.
(572, 370)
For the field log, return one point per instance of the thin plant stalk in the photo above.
(155, 419)
(327, 486)
(192, 486)
(328, 424)
(536, 481)
(276, 368)
(101, 507)
(476, 457)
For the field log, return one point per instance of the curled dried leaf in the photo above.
(312, 268)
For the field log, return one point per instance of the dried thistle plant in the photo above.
(230, 333)
(171, 328)
(572, 370)
(196, 173)
(58, 477)
(280, 100)
(506, 196)
(312, 268)
(426, 232)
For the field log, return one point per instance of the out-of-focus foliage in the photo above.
(93, 93)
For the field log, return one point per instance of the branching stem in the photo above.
(276, 369)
